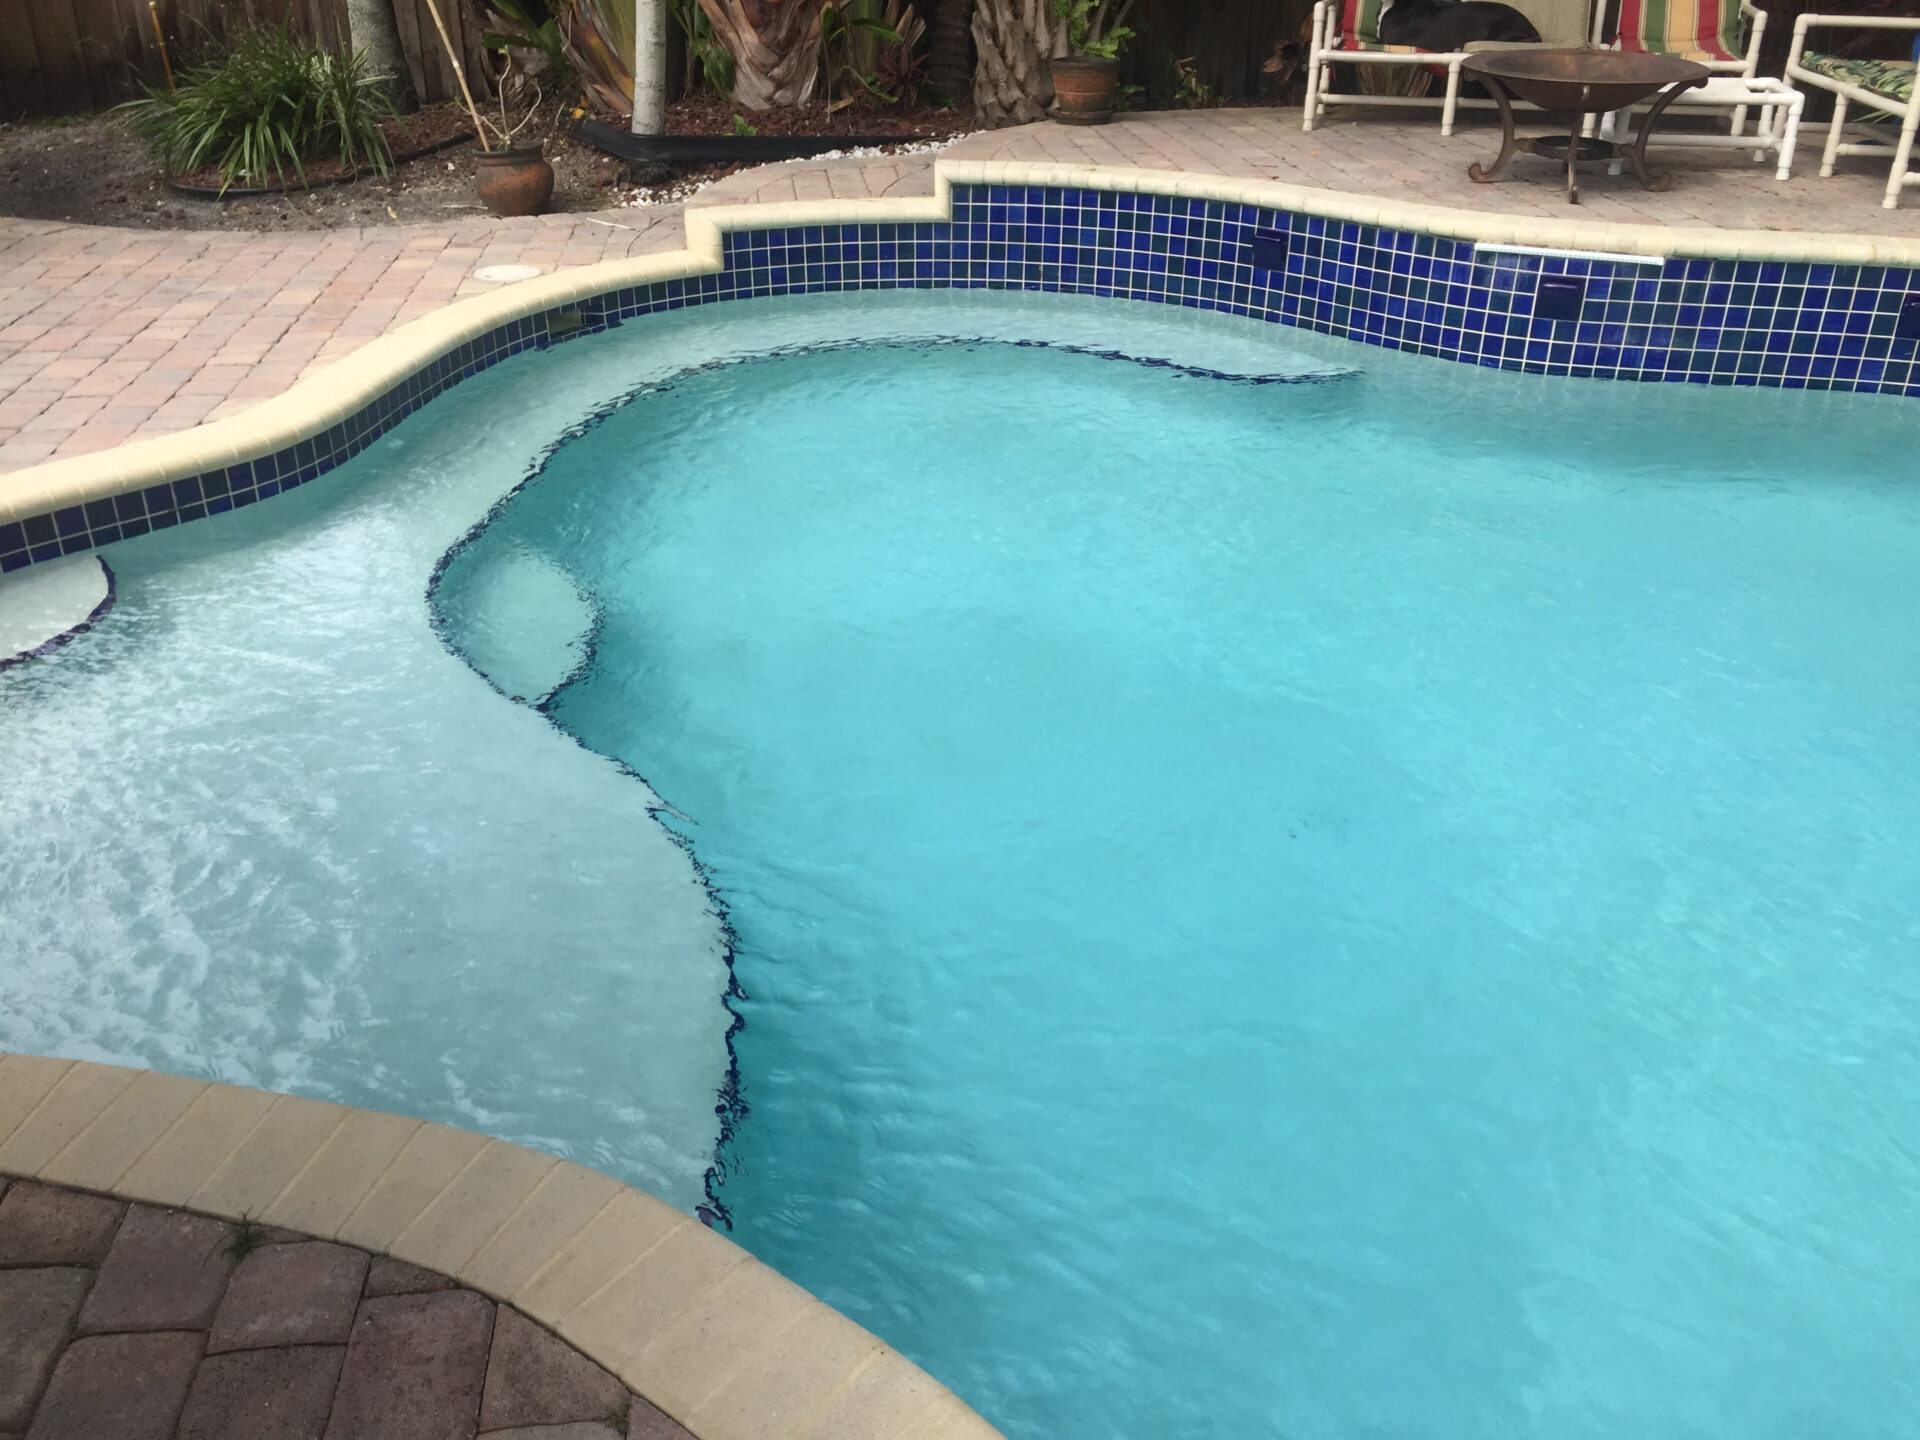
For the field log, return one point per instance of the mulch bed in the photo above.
(710, 114)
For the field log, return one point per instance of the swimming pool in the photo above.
(1377, 900)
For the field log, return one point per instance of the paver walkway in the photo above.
(106, 335)
(123, 1321)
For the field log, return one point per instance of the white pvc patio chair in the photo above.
(1724, 38)
(1347, 32)
(1884, 86)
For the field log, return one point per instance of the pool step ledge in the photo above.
(682, 1315)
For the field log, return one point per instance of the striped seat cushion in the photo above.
(1891, 78)
(1703, 30)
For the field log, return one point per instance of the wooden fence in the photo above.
(1225, 42)
(63, 57)
(69, 56)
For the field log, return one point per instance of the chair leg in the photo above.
(1318, 39)
(1453, 98)
(1616, 128)
(1833, 135)
(1789, 138)
(1739, 126)
(1899, 176)
(1769, 128)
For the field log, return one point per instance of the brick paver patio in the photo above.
(123, 1321)
(106, 335)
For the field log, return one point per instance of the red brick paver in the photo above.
(118, 1387)
(415, 1369)
(252, 1394)
(303, 1294)
(166, 1271)
(534, 1378)
(50, 1226)
(36, 1316)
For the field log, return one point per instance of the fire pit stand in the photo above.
(1585, 81)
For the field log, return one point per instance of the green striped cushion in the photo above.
(1891, 78)
(1360, 24)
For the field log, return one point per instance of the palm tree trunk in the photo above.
(649, 67)
(950, 49)
(1012, 84)
(370, 28)
(775, 46)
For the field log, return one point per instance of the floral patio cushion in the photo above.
(1891, 78)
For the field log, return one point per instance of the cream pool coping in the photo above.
(316, 403)
(680, 1314)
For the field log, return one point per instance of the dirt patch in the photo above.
(90, 171)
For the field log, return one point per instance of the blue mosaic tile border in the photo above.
(1699, 321)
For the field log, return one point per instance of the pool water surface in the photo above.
(1378, 902)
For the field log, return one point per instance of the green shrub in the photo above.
(269, 107)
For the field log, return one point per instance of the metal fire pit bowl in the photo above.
(1585, 81)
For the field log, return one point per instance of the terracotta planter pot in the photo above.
(1083, 87)
(516, 181)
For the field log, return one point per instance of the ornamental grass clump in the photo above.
(270, 107)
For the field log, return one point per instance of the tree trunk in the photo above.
(1016, 40)
(950, 49)
(775, 46)
(370, 27)
(650, 67)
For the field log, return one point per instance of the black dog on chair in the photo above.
(1445, 26)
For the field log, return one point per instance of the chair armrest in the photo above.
(1756, 19)
(1840, 22)
(1855, 22)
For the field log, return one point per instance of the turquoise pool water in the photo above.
(1376, 906)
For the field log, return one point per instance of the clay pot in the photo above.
(1083, 87)
(515, 181)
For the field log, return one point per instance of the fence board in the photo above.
(1227, 41)
(21, 90)
(433, 73)
(102, 51)
(56, 35)
(406, 20)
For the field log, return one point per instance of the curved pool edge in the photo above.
(681, 1315)
(65, 506)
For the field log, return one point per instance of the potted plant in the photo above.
(514, 176)
(1084, 82)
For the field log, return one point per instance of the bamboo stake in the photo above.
(459, 73)
(165, 64)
